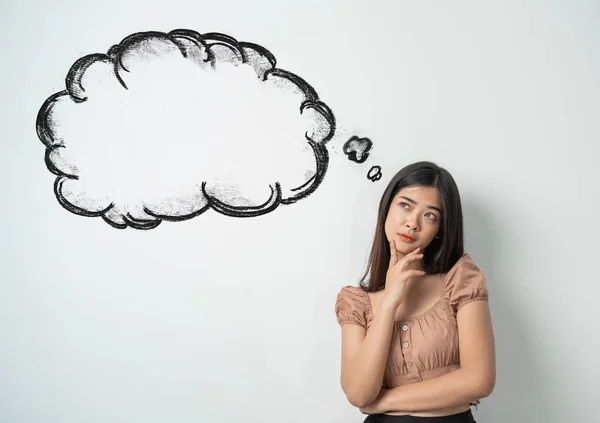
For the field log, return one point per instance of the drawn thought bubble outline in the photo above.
(217, 48)
(356, 146)
(374, 174)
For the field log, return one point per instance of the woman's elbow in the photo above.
(359, 400)
(485, 386)
(358, 397)
(488, 389)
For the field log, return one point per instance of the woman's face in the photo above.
(414, 218)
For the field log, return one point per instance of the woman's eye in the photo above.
(403, 205)
(431, 216)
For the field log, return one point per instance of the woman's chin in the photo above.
(404, 247)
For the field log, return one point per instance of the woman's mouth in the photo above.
(406, 238)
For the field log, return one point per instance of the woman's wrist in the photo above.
(385, 401)
(388, 307)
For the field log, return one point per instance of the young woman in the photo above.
(417, 339)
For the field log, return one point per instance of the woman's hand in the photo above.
(399, 272)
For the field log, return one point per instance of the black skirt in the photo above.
(464, 417)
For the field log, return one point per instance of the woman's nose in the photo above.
(411, 225)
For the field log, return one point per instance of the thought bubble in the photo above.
(374, 173)
(357, 149)
(166, 126)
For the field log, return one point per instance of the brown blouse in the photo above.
(424, 346)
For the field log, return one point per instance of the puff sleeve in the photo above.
(465, 283)
(351, 306)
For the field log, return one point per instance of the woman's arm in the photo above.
(474, 380)
(364, 355)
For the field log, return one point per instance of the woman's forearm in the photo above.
(363, 380)
(460, 387)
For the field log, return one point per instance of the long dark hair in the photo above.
(443, 252)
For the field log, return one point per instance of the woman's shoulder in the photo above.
(352, 305)
(353, 294)
(352, 290)
(464, 263)
(464, 282)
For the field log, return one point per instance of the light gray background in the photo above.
(222, 320)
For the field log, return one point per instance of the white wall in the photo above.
(218, 319)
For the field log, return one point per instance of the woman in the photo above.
(417, 339)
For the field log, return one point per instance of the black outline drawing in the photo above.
(204, 50)
(358, 149)
(374, 173)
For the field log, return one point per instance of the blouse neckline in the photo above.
(430, 309)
